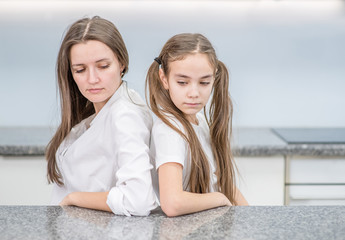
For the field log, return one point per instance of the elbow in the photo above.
(171, 206)
(142, 208)
(140, 212)
(129, 205)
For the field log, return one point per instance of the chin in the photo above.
(96, 100)
(191, 112)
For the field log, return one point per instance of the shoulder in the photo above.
(159, 127)
(167, 145)
(163, 136)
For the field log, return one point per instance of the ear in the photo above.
(122, 68)
(163, 79)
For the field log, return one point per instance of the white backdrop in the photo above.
(286, 58)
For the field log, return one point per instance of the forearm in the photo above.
(92, 200)
(175, 201)
(187, 202)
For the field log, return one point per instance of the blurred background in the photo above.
(286, 57)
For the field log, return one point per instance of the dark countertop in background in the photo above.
(55, 222)
(26, 141)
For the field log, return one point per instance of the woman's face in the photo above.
(190, 82)
(96, 71)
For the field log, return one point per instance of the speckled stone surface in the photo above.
(245, 223)
(264, 142)
(246, 142)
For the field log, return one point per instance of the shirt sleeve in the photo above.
(167, 145)
(133, 193)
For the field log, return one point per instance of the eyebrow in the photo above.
(187, 77)
(81, 64)
(181, 75)
(207, 76)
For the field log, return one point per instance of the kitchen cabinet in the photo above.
(261, 179)
(271, 172)
(315, 181)
(23, 181)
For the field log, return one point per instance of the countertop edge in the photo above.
(238, 151)
(22, 150)
(290, 150)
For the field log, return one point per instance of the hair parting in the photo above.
(86, 30)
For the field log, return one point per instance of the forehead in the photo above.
(192, 64)
(90, 51)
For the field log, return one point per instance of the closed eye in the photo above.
(182, 82)
(104, 66)
(79, 70)
(205, 83)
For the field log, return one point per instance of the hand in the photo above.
(67, 200)
(224, 200)
(92, 200)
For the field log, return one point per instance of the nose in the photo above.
(93, 76)
(193, 91)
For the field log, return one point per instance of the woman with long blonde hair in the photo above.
(99, 155)
(191, 152)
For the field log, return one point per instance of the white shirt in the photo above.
(109, 152)
(168, 146)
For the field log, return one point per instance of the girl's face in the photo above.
(96, 71)
(190, 83)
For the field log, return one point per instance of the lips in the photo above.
(95, 90)
(192, 104)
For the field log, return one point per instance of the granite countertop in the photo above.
(254, 223)
(264, 142)
(27, 141)
(24, 141)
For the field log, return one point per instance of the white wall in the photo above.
(287, 58)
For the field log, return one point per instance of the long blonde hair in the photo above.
(74, 106)
(220, 114)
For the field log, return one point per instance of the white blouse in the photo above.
(168, 146)
(110, 152)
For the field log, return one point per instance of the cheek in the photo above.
(208, 92)
(76, 79)
(175, 96)
(114, 74)
(79, 81)
(175, 92)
